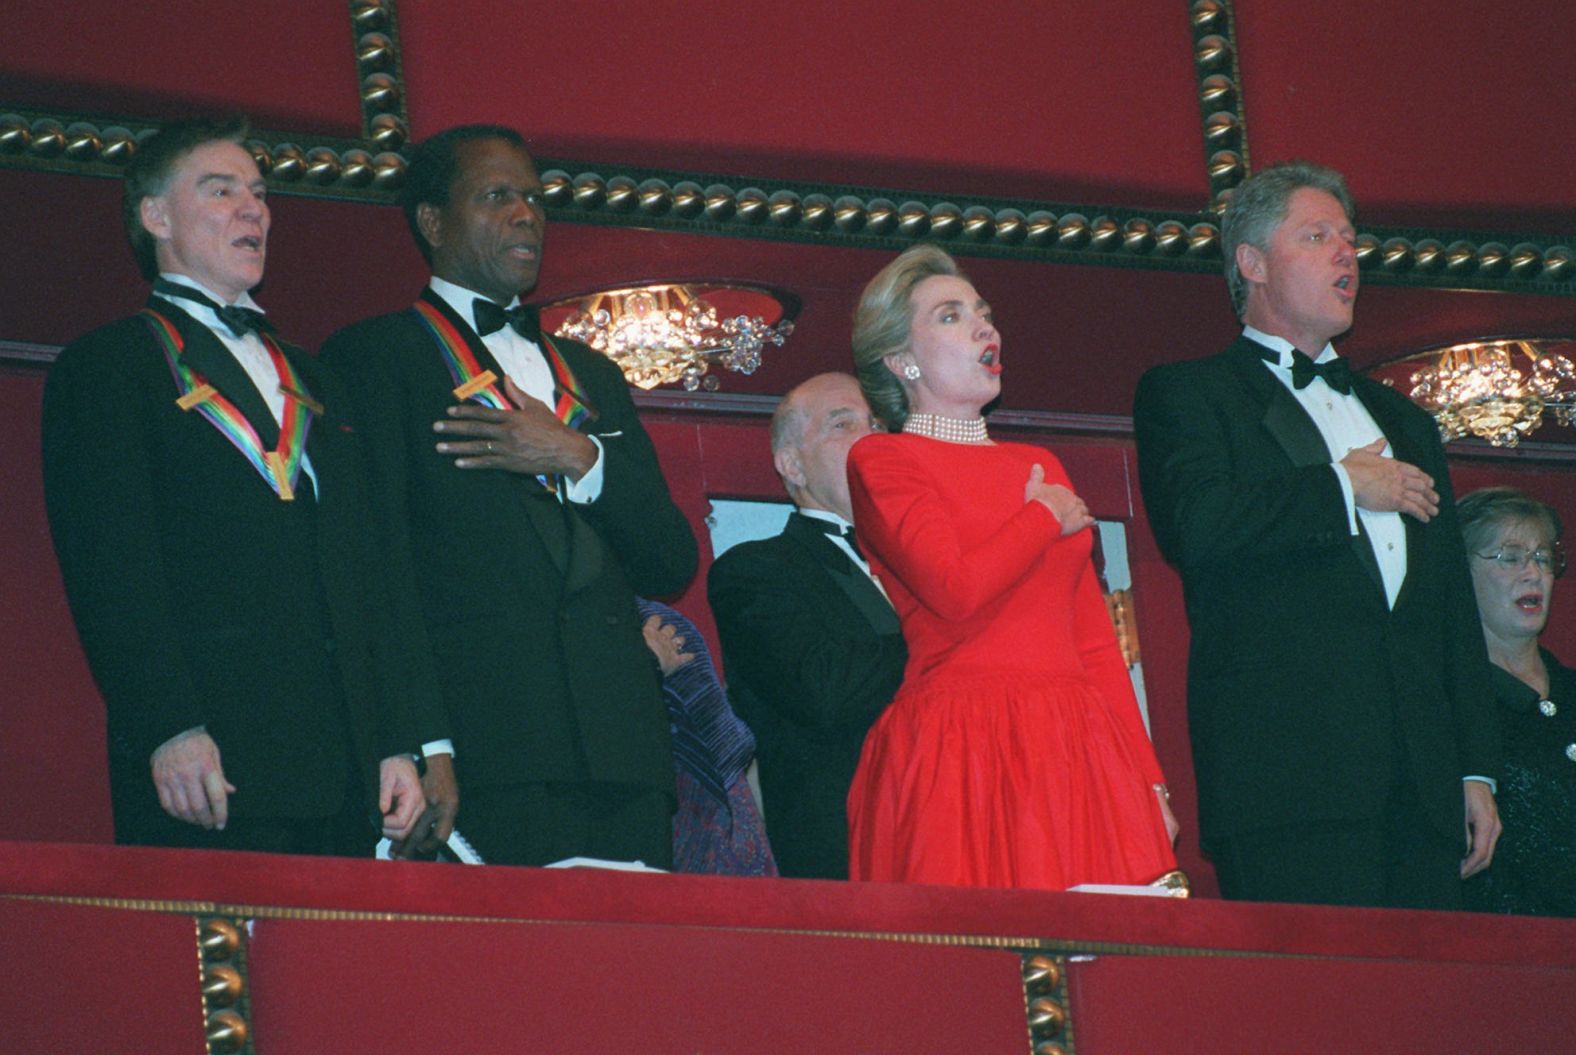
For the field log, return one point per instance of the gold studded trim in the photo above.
(372, 168)
(236, 912)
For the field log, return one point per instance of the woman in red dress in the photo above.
(1014, 754)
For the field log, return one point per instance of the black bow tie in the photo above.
(240, 321)
(1337, 373)
(490, 318)
(845, 533)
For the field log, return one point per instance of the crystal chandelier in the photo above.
(1495, 389)
(666, 333)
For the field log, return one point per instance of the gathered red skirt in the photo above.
(1005, 780)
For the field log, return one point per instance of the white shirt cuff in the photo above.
(437, 747)
(588, 488)
(1493, 785)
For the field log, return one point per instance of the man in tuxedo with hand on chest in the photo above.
(525, 509)
(1337, 682)
(811, 645)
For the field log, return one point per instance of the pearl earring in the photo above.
(911, 371)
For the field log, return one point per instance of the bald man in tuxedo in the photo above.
(811, 644)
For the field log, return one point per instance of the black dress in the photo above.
(1534, 870)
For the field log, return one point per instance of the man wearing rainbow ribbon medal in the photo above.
(204, 493)
(526, 510)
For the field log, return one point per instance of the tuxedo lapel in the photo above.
(1283, 416)
(204, 353)
(852, 580)
(1294, 430)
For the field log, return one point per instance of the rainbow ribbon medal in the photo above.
(280, 467)
(477, 384)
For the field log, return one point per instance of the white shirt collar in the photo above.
(1285, 347)
(243, 301)
(461, 299)
(826, 515)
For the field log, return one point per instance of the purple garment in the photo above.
(717, 828)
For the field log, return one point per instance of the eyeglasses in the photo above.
(1514, 558)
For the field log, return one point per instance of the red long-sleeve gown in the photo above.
(1014, 754)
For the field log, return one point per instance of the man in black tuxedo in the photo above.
(1337, 695)
(527, 509)
(203, 484)
(811, 644)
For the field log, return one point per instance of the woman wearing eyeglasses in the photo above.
(1513, 546)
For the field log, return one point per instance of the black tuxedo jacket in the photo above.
(528, 602)
(1306, 693)
(813, 654)
(202, 599)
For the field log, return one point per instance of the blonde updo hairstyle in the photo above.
(882, 324)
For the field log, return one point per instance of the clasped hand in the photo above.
(1068, 509)
(528, 438)
(1389, 485)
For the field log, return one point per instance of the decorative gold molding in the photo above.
(372, 168)
(1219, 98)
(1046, 1006)
(226, 998)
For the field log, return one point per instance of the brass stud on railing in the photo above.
(753, 205)
(1040, 228)
(289, 163)
(1367, 250)
(380, 91)
(817, 212)
(848, 213)
(1011, 226)
(322, 166)
(1170, 238)
(369, 15)
(880, 216)
(1203, 239)
(1072, 231)
(1558, 263)
(388, 171)
(1461, 258)
(1138, 236)
(1428, 255)
(689, 199)
(913, 219)
(1493, 258)
(1526, 261)
(979, 223)
(720, 202)
(589, 191)
(622, 194)
(389, 132)
(374, 51)
(48, 138)
(1395, 255)
(783, 208)
(1105, 234)
(655, 197)
(946, 220)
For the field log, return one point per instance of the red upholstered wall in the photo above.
(1453, 119)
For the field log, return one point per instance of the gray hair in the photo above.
(1483, 512)
(1258, 206)
(882, 322)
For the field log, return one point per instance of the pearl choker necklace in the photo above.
(948, 430)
